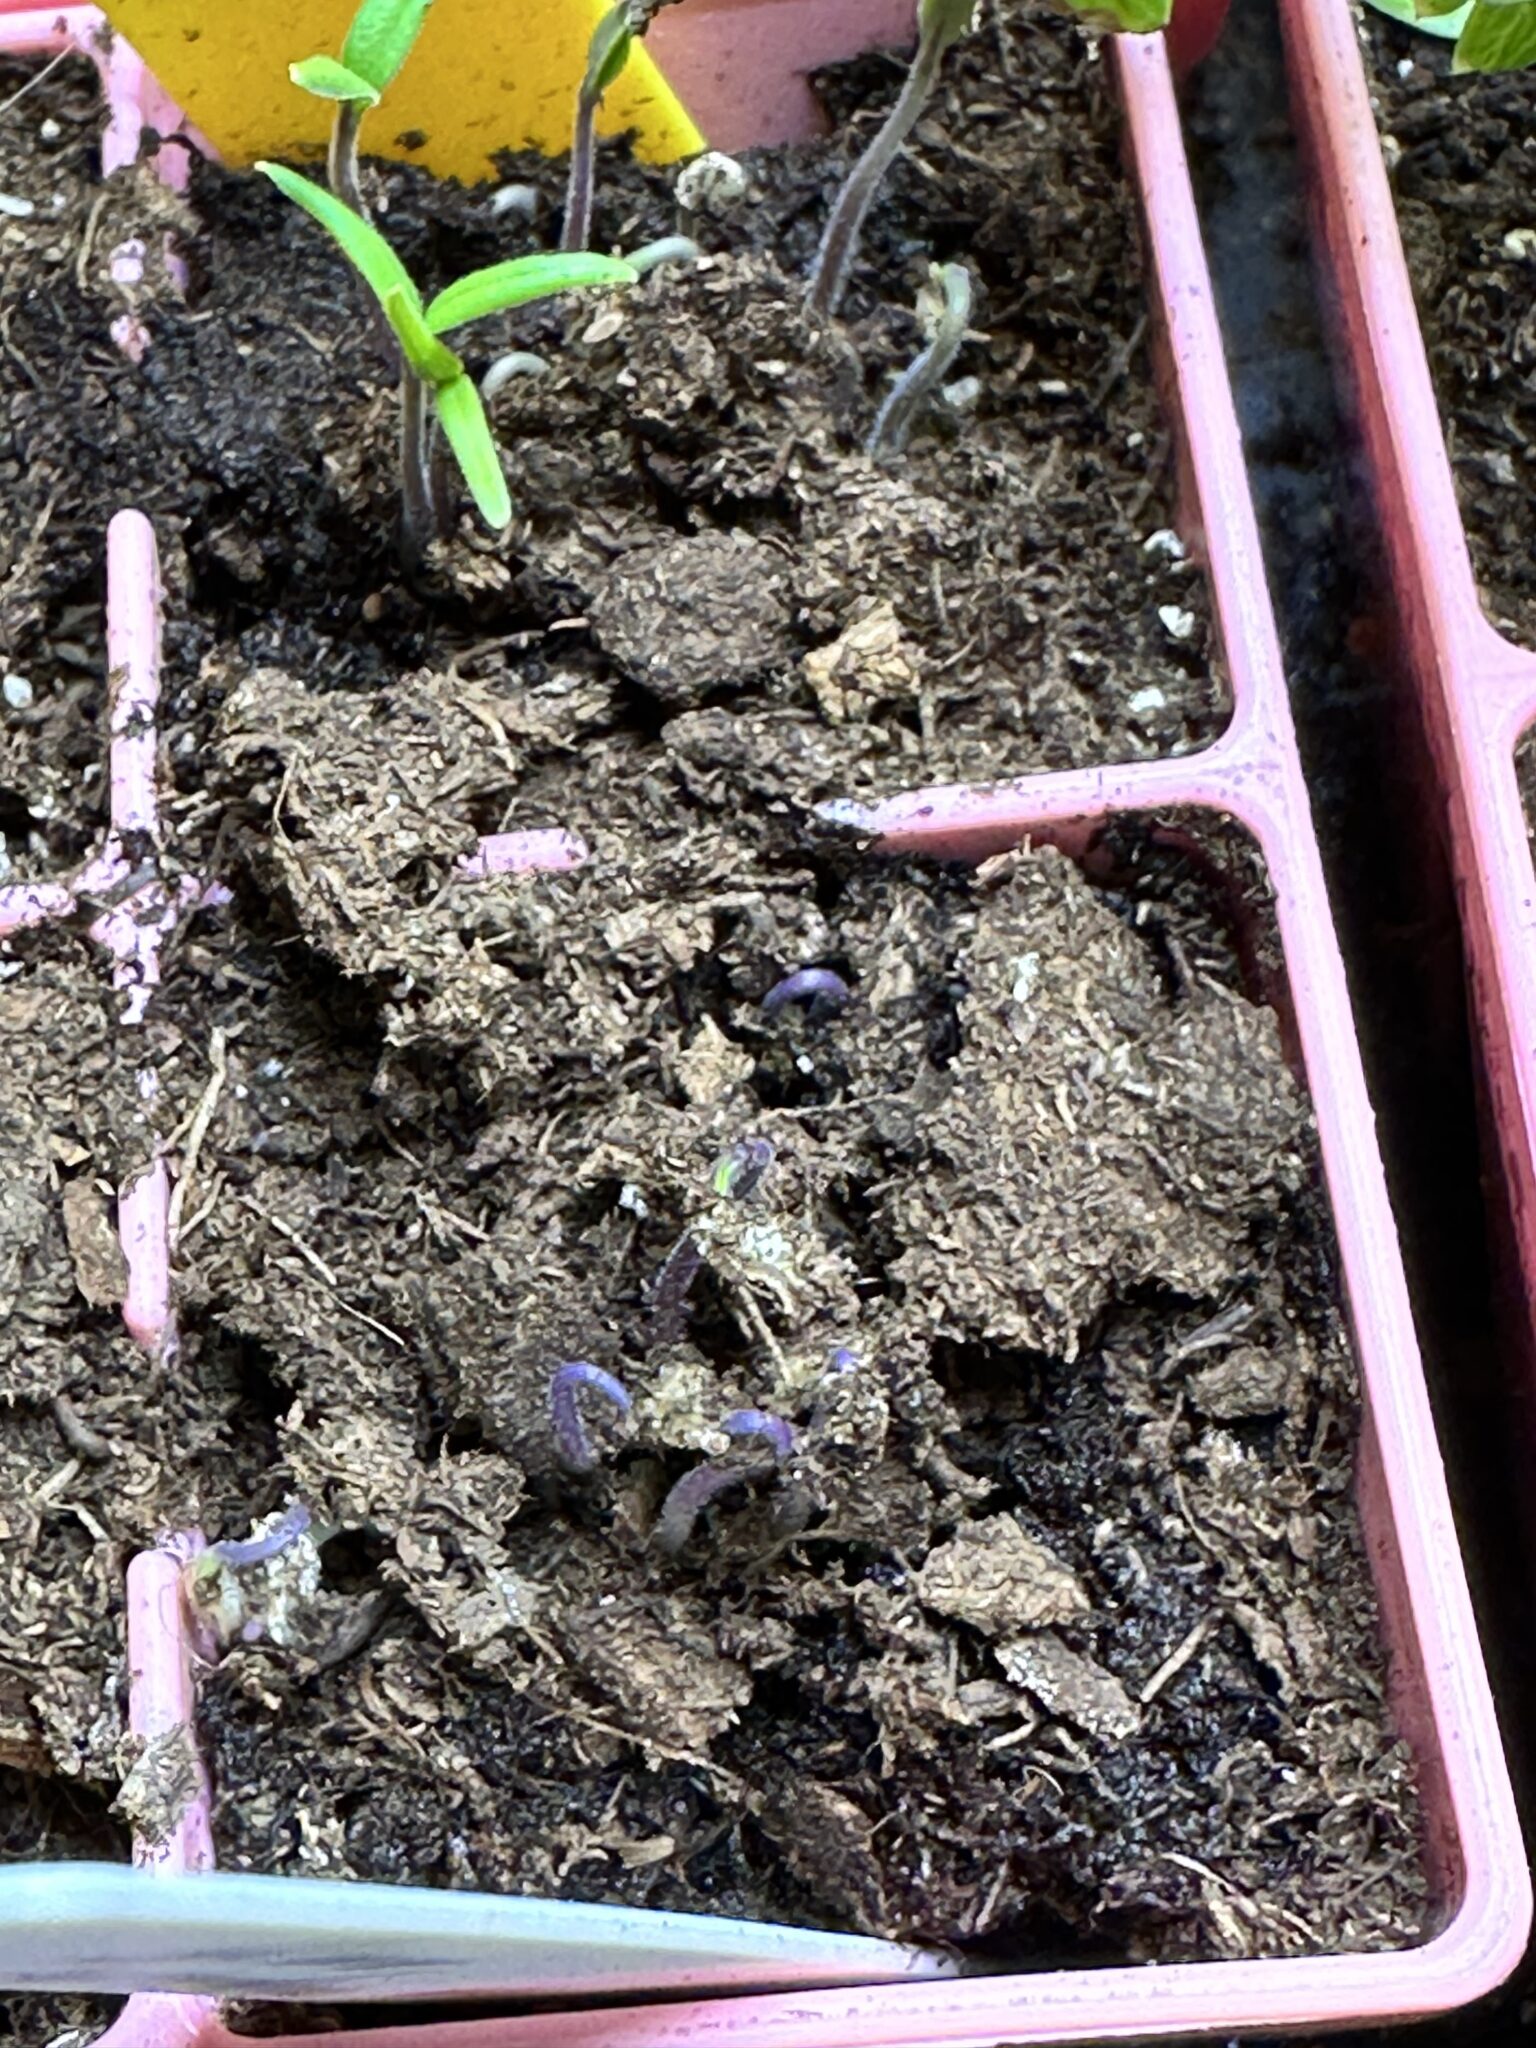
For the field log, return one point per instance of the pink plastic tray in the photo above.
(1440, 1691)
(1477, 689)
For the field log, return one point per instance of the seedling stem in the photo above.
(947, 318)
(939, 23)
(607, 54)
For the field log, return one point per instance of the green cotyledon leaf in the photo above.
(432, 360)
(524, 278)
(1122, 17)
(328, 80)
(608, 52)
(1432, 19)
(361, 242)
(381, 37)
(944, 21)
(1500, 35)
(468, 434)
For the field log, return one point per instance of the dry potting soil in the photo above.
(1053, 1634)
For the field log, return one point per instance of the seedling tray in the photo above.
(1476, 689)
(1440, 1697)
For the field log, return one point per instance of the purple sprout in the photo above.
(575, 1445)
(696, 1489)
(819, 988)
(736, 1173)
(758, 1422)
(257, 1549)
(843, 1360)
(216, 1603)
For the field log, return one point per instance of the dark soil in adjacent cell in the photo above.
(1051, 1632)
(1460, 150)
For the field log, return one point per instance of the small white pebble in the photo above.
(1165, 542)
(1520, 242)
(49, 129)
(1053, 387)
(17, 691)
(270, 1069)
(241, 1091)
(523, 200)
(630, 1198)
(17, 208)
(1149, 699)
(1026, 972)
(805, 1063)
(961, 396)
(1177, 623)
(1135, 440)
(1405, 67)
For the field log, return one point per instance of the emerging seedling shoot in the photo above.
(219, 1595)
(736, 1173)
(380, 39)
(607, 54)
(433, 379)
(819, 989)
(939, 24)
(566, 1385)
(945, 310)
(773, 1439)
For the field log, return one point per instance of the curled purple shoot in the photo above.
(669, 1296)
(696, 1489)
(739, 1171)
(818, 988)
(688, 1500)
(736, 1173)
(566, 1384)
(257, 1549)
(773, 1429)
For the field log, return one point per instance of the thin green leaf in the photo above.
(1500, 35)
(1120, 17)
(381, 37)
(432, 360)
(328, 80)
(501, 285)
(1433, 23)
(469, 436)
(362, 243)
